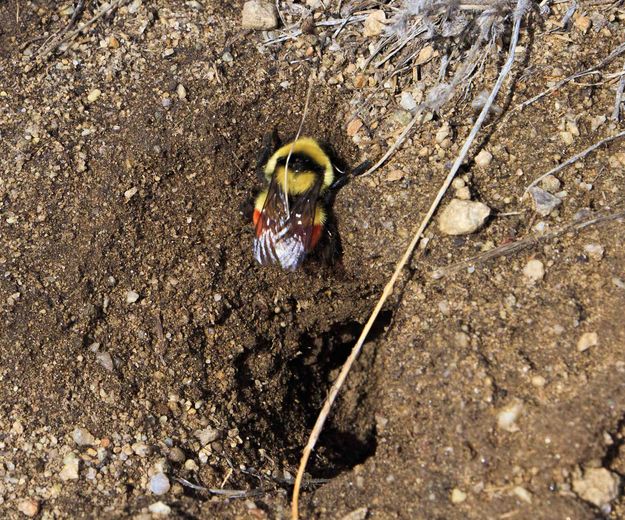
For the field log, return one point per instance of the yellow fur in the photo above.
(305, 146)
(260, 200)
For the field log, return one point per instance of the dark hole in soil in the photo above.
(284, 396)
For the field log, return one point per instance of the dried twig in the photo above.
(595, 68)
(388, 289)
(416, 118)
(228, 493)
(525, 243)
(48, 48)
(575, 158)
(616, 114)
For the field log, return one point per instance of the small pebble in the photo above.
(94, 95)
(598, 486)
(129, 194)
(587, 340)
(407, 102)
(463, 193)
(227, 57)
(374, 23)
(483, 159)
(141, 449)
(70, 467)
(259, 15)
(29, 507)
(458, 496)
(539, 381)
(132, 296)
(544, 202)
(176, 454)
(551, 184)
(159, 484)
(207, 435)
(462, 217)
(83, 437)
(357, 514)
(395, 175)
(353, 126)
(105, 359)
(534, 271)
(523, 494)
(567, 138)
(458, 183)
(443, 133)
(594, 251)
(506, 418)
(583, 23)
(159, 508)
(181, 91)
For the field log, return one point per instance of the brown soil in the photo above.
(216, 341)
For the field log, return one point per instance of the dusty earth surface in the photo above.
(142, 349)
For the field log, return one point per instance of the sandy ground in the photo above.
(141, 347)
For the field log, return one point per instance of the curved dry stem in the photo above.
(388, 289)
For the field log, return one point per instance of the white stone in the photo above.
(259, 15)
(374, 23)
(483, 158)
(598, 486)
(132, 296)
(93, 96)
(70, 467)
(534, 271)
(83, 437)
(462, 217)
(458, 496)
(506, 418)
(159, 484)
(159, 508)
(407, 101)
(207, 435)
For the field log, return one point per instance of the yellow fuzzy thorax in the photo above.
(294, 183)
(300, 182)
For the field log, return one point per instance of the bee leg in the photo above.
(330, 249)
(361, 168)
(271, 142)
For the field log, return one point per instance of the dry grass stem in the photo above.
(525, 243)
(595, 68)
(388, 289)
(616, 114)
(575, 158)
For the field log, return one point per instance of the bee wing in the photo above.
(283, 237)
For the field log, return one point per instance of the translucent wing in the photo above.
(281, 237)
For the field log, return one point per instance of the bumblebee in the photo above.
(291, 212)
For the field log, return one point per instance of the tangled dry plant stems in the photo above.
(388, 289)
